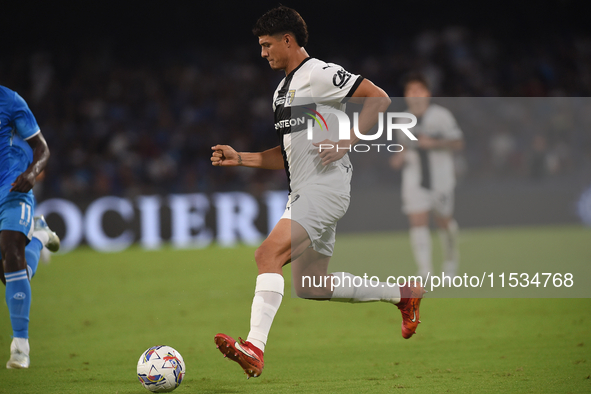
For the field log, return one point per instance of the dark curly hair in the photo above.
(281, 20)
(415, 76)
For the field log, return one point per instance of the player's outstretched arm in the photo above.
(397, 160)
(25, 181)
(225, 155)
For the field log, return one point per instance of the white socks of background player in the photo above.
(449, 245)
(420, 241)
(268, 294)
(353, 289)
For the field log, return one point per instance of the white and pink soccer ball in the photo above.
(161, 369)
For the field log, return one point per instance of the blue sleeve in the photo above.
(23, 119)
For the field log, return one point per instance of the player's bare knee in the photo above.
(262, 255)
(418, 219)
(259, 255)
(13, 259)
(12, 247)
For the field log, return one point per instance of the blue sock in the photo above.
(32, 253)
(18, 299)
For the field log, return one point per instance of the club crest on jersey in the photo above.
(290, 96)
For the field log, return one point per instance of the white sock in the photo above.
(268, 294)
(21, 344)
(449, 245)
(420, 240)
(353, 289)
(41, 236)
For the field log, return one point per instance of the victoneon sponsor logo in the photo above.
(289, 123)
(315, 115)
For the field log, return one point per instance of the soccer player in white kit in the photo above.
(428, 176)
(319, 187)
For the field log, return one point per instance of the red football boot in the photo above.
(410, 300)
(244, 353)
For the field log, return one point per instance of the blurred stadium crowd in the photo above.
(129, 124)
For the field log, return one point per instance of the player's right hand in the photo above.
(329, 155)
(224, 155)
(397, 160)
(23, 183)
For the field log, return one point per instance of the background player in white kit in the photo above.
(319, 187)
(428, 176)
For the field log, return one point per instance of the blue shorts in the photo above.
(16, 212)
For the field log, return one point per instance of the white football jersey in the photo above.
(433, 168)
(301, 96)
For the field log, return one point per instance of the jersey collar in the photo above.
(298, 67)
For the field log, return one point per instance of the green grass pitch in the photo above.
(94, 314)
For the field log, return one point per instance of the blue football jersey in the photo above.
(17, 124)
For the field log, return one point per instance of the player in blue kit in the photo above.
(23, 155)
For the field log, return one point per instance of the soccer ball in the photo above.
(161, 369)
